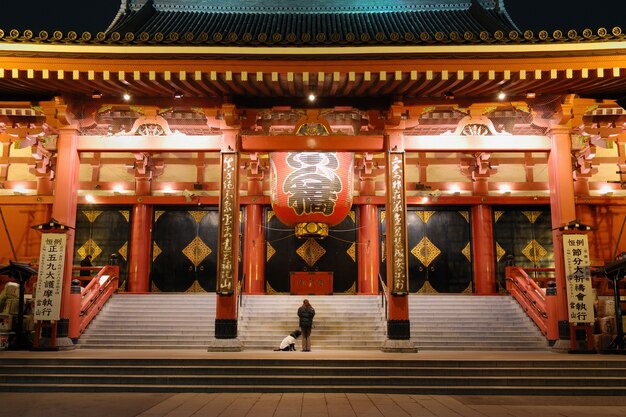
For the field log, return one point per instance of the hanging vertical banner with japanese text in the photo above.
(50, 277)
(578, 279)
(396, 226)
(228, 222)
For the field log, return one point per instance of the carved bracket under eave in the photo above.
(476, 126)
(479, 167)
(583, 166)
(145, 166)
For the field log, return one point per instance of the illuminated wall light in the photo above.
(455, 189)
(505, 189)
(425, 199)
(19, 190)
(606, 190)
(312, 97)
(126, 96)
(90, 199)
(118, 189)
(167, 190)
(501, 95)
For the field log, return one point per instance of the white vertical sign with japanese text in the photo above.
(50, 277)
(578, 279)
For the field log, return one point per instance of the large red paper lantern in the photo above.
(311, 191)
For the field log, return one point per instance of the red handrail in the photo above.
(531, 297)
(92, 298)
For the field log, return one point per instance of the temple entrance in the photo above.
(286, 254)
(184, 250)
(440, 259)
(102, 233)
(523, 235)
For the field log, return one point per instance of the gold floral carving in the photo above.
(92, 215)
(89, 248)
(352, 215)
(465, 215)
(197, 251)
(195, 287)
(269, 252)
(158, 214)
(156, 251)
(124, 251)
(500, 252)
(352, 251)
(425, 251)
(532, 215)
(497, 215)
(425, 215)
(427, 289)
(197, 215)
(270, 214)
(311, 251)
(467, 251)
(126, 215)
(534, 251)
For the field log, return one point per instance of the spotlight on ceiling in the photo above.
(311, 96)
(96, 94)
(126, 96)
(531, 94)
(178, 94)
(501, 95)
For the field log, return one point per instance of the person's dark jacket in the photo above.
(306, 315)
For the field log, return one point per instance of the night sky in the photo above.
(95, 15)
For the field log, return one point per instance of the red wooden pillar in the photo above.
(228, 248)
(563, 210)
(64, 211)
(254, 237)
(398, 324)
(483, 250)
(369, 248)
(140, 239)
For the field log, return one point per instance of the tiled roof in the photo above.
(315, 22)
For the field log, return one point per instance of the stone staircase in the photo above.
(345, 322)
(468, 322)
(568, 376)
(153, 321)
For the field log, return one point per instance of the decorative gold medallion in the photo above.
(534, 251)
(196, 251)
(92, 215)
(197, 215)
(425, 215)
(158, 214)
(311, 251)
(465, 215)
(427, 289)
(500, 252)
(195, 287)
(425, 251)
(156, 251)
(126, 215)
(89, 248)
(270, 251)
(497, 215)
(124, 251)
(352, 251)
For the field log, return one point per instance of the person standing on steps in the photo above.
(306, 312)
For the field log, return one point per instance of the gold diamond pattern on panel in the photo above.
(468, 290)
(425, 251)
(197, 215)
(124, 251)
(126, 215)
(467, 252)
(154, 288)
(156, 251)
(352, 251)
(465, 215)
(92, 215)
(425, 215)
(352, 215)
(195, 287)
(270, 251)
(427, 289)
(500, 252)
(532, 215)
(269, 290)
(89, 248)
(158, 214)
(196, 251)
(311, 251)
(270, 214)
(351, 290)
(497, 215)
(534, 251)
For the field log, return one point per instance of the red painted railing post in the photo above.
(74, 310)
(551, 309)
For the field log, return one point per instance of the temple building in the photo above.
(347, 148)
